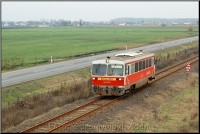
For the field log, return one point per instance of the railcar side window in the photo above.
(140, 65)
(136, 67)
(143, 64)
(132, 68)
(126, 70)
(150, 62)
(147, 63)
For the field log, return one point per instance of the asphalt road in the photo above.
(24, 75)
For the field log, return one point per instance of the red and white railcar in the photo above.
(116, 75)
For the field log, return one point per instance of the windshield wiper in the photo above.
(113, 69)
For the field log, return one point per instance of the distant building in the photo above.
(44, 25)
(174, 23)
(122, 24)
(22, 24)
(187, 23)
(6, 25)
(148, 23)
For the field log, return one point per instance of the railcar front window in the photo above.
(115, 70)
(99, 69)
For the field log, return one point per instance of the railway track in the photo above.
(69, 118)
(61, 122)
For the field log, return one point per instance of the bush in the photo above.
(190, 29)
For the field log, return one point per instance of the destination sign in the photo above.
(116, 66)
(107, 79)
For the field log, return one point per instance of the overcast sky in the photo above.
(98, 10)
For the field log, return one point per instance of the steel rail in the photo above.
(59, 116)
(67, 124)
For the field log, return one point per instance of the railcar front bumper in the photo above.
(108, 90)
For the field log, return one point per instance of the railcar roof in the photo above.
(130, 56)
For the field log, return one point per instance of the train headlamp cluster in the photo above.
(107, 60)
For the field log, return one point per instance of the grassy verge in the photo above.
(171, 55)
(180, 114)
(175, 50)
(27, 100)
(16, 92)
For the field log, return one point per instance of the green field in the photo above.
(26, 47)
